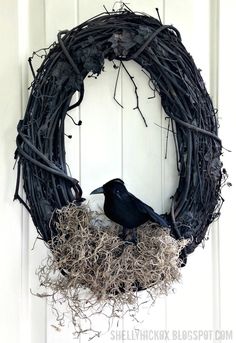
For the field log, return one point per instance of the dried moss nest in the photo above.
(88, 254)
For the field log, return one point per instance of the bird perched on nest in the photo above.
(125, 209)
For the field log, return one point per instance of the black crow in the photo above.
(125, 209)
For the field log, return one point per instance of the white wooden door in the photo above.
(113, 142)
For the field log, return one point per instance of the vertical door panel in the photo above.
(227, 118)
(114, 142)
(10, 246)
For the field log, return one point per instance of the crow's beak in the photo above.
(98, 191)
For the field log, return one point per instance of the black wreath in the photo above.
(158, 49)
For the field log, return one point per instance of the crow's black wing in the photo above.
(144, 208)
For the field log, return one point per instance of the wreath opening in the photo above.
(54, 198)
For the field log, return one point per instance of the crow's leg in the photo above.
(134, 235)
(122, 235)
(129, 236)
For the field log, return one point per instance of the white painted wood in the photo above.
(113, 142)
(100, 131)
(214, 91)
(10, 251)
(227, 119)
(23, 29)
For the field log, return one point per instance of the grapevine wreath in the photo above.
(86, 249)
